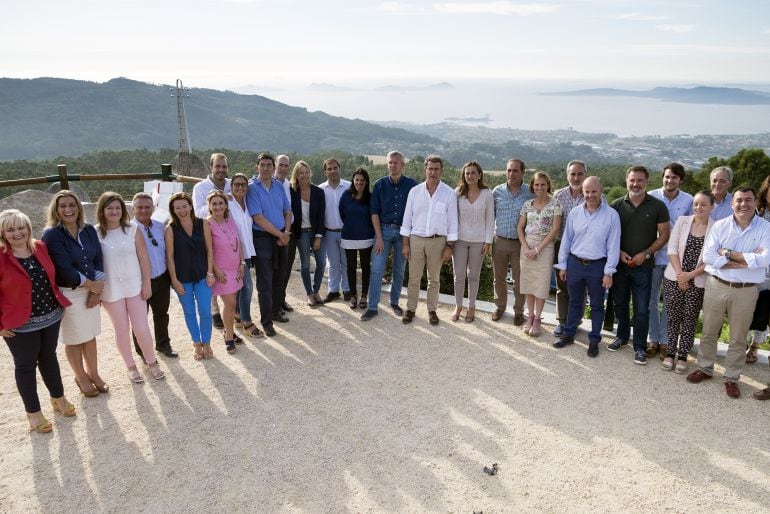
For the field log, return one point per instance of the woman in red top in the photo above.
(31, 307)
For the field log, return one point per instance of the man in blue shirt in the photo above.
(588, 256)
(506, 247)
(721, 179)
(678, 204)
(270, 209)
(387, 205)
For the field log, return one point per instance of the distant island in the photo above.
(440, 86)
(694, 95)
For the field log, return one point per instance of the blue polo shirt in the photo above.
(272, 203)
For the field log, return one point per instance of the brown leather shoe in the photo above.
(497, 314)
(732, 389)
(762, 395)
(652, 350)
(518, 319)
(697, 376)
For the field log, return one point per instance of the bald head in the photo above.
(282, 164)
(592, 192)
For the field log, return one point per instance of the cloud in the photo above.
(654, 49)
(677, 29)
(635, 16)
(499, 7)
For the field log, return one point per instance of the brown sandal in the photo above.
(252, 330)
(353, 302)
(198, 351)
(751, 354)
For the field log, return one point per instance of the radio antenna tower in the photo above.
(181, 92)
(185, 162)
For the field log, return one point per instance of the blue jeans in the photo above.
(305, 246)
(633, 283)
(658, 319)
(245, 293)
(197, 293)
(338, 262)
(579, 278)
(391, 237)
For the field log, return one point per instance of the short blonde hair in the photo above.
(13, 218)
(294, 180)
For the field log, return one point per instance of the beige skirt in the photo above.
(79, 324)
(536, 274)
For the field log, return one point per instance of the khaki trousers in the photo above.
(739, 305)
(424, 250)
(505, 252)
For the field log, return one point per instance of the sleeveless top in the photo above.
(190, 253)
(122, 274)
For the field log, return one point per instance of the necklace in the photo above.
(28, 262)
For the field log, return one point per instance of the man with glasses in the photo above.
(160, 282)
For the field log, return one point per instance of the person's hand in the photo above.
(220, 275)
(93, 300)
(284, 239)
(6, 333)
(406, 251)
(531, 253)
(485, 248)
(626, 259)
(239, 274)
(178, 287)
(210, 279)
(379, 245)
(146, 291)
(607, 281)
(563, 275)
(446, 255)
(638, 259)
(316, 244)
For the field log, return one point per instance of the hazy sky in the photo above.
(231, 43)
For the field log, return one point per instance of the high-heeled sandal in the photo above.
(363, 302)
(104, 388)
(230, 346)
(134, 376)
(198, 351)
(38, 423)
(63, 407)
(470, 315)
(208, 351)
(252, 330)
(156, 372)
(353, 302)
(528, 325)
(456, 315)
(90, 393)
(751, 354)
(534, 330)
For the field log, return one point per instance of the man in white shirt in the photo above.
(217, 180)
(335, 255)
(429, 230)
(736, 254)
(281, 174)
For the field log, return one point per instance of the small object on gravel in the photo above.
(492, 470)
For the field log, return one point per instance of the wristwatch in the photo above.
(647, 256)
(728, 253)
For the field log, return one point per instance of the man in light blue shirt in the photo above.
(506, 247)
(588, 256)
(736, 253)
(678, 204)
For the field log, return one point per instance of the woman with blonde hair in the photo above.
(308, 205)
(127, 283)
(190, 266)
(228, 266)
(30, 316)
(539, 223)
(77, 257)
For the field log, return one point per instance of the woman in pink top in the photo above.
(228, 260)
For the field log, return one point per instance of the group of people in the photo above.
(705, 252)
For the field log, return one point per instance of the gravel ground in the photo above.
(337, 415)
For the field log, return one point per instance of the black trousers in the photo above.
(31, 351)
(291, 255)
(270, 264)
(159, 303)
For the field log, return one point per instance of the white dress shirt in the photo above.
(427, 215)
(332, 218)
(753, 242)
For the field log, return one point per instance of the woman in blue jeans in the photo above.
(308, 205)
(190, 266)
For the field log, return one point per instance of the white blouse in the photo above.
(476, 220)
(122, 274)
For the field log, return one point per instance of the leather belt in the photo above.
(733, 284)
(586, 262)
(334, 230)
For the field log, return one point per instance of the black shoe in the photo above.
(616, 344)
(216, 319)
(280, 317)
(433, 318)
(167, 351)
(269, 330)
(331, 297)
(368, 315)
(287, 307)
(593, 349)
(397, 309)
(408, 317)
(346, 296)
(563, 341)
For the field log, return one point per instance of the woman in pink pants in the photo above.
(126, 283)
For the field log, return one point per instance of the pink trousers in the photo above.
(133, 310)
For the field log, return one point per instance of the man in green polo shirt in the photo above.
(644, 229)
